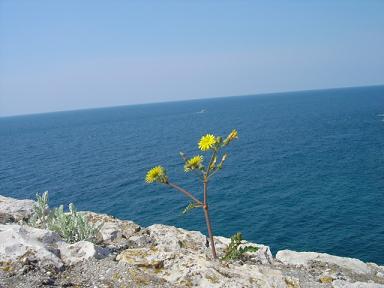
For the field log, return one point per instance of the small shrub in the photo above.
(71, 226)
(40, 211)
(233, 251)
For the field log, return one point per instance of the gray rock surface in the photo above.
(345, 284)
(114, 232)
(72, 254)
(14, 210)
(102, 273)
(22, 244)
(180, 257)
(306, 259)
(160, 256)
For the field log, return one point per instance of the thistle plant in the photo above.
(212, 145)
(234, 250)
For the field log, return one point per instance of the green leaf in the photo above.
(190, 207)
(182, 155)
(233, 251)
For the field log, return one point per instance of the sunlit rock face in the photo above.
(114, 233)
(127, 255)
(24, 244)
(14, 210)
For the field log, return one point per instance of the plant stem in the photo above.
(213, 172)
(210, 163)
(185, 192)
(207, 219)
(205, 207)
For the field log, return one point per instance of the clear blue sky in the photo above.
(62, 55)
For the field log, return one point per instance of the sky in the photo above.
(66, 55)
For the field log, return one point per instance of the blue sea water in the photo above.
(307, 172)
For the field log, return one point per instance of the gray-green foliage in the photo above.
(41, 211)
(71, 226)
(190, 206)
(234, 251)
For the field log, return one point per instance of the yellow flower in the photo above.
(233, 135)
(156, 174)
(207, 142)
(193, 163)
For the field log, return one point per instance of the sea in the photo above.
(306, 173)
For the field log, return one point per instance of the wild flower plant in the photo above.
(208, 143)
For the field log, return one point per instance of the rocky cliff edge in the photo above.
(127, 255)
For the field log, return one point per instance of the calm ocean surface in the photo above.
(307, 172)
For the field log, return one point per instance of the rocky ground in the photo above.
(128, 255)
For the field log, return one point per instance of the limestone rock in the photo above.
(143, 257)
(262, 256)
(72, 254)
(192, 268)
(307, 259)
(379, 270)
(180, 257)
(345, 284)
(169, 238)
(292, 282)
(141, 239)
(14, 210)
(326, 279)
(159, 256)
(114, 232)
(26, 244)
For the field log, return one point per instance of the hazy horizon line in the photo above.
(191, 99)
